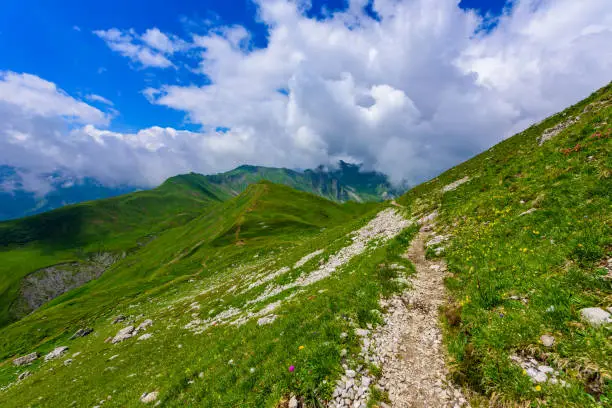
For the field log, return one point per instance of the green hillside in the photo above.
(80, 232)
(251, 294)
(264, 228)
(533, 222)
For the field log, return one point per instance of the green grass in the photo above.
(551, 256)
(76, 232)
(265, 228)
(210, 250)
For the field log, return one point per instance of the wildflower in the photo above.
(291, 369)
(538, 388)
(580, 245)
(301, 348)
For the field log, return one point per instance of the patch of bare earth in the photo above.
(409, 346)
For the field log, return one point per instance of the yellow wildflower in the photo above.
(301, 348)
(538, 388)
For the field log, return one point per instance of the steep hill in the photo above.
(66, 247)
(276, 297)
(526, 230)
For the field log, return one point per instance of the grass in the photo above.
(551, 256)
(242, 239)
(76, 232)
(532, 223)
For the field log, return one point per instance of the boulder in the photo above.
(58, 351)
(595, 316)
(123, 334)
(81, 333)
(149, 397)
(144, 325)
(27, 359)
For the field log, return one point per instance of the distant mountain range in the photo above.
(347, 182)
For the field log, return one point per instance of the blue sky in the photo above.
(138, 91)
(51, 46)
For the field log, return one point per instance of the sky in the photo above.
(133, 92)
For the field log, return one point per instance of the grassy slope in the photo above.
(75, 232)
(552, 256)
(277, 227)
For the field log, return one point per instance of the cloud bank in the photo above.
(410, 93)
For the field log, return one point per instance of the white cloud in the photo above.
(98, 98)
(410, 95)
(34, 96)
(151, 49)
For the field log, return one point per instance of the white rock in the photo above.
(547, 340)
(293, 403)
(145, 336)
(58, 351)
(595, 316)
(27, 359)
(123, 334)
(266, 320)
(144, 325)
(149, 397)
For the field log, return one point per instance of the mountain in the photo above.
(230, 290)
(16, 201)
(347, 182)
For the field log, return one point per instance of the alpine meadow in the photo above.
(271, 206)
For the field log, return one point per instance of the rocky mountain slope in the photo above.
(486, 286)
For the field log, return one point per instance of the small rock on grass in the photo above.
(24, 375)
(119, 319)
(27, 359)
(145, 336)
(547, 340)
(149, 397)
(81, 333)
(595, 316)
(58, 351)
(293, 403)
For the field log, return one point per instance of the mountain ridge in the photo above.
(346, 182)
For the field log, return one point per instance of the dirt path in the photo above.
(410, 344)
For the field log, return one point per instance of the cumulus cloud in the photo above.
(410, 93)
(151, 49)
(35, 97)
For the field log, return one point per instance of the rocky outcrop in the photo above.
(82, 333)
(57, 352)
(27, 359)
(43, 285)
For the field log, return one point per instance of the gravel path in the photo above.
(409, 345)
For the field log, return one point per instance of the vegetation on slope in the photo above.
(80, 232)
(529, 243)
(205, 261)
